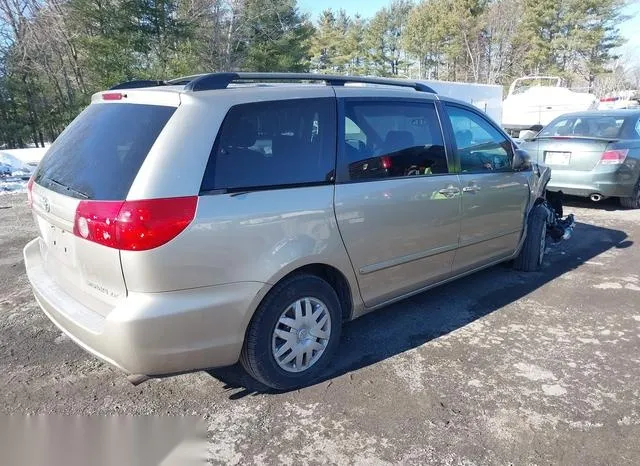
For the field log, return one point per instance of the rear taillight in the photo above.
(614, 157)
(134, 225)
(386, 162)
(30, 191)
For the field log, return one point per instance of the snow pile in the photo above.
(16, 166)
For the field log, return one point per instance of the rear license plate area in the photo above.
(59, 244)
(557, 158)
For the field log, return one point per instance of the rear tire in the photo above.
(532, 253)
(632, 202)
(265, 353)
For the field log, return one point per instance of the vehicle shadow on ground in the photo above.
(422, 318)
(611, 204)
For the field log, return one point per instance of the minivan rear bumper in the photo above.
(152, 333)
(617, 182)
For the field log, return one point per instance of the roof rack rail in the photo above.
(211, 81)
(182, 80)
(138, 84)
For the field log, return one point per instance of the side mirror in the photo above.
(521, 160)
(527, 135)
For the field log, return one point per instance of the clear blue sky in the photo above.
(366, 8)
(630, 29)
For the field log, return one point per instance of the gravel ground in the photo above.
(500, 367)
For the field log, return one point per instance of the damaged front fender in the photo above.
(559, 227)
(541, 174)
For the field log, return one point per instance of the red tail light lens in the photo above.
(96, 221)
(134, 225)
(386, 162)
(152, 223)
(614, 157)
(30, 191)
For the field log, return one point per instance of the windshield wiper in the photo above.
(67, 188)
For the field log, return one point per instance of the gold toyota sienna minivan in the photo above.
(192, 223)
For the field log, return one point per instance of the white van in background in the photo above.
(486, 97)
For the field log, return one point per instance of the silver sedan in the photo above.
(592, 154)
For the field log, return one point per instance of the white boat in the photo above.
(534, 101)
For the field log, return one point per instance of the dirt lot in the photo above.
(501, 367)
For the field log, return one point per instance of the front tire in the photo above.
(532, 253)
(294, 333)
(632, 202)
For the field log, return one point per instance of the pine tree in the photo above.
(277, 37)
(384, 37)
(593, 30)
(429, 36)
(355, 49)
(325, 44)
(569, 37)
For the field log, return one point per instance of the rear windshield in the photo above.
(99, 154)
(595, 126)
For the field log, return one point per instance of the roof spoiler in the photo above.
(213, 81)
(138, 84)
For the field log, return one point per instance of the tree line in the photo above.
(55, 53)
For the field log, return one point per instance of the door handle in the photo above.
(449, 191)
(472, 188)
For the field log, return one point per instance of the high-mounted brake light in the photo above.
(614, 157)
(112, 96)
(134, 225)
(386, 162)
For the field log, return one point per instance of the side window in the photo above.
(353, 135)
(481, 147)
(271, 144)
(393, 139)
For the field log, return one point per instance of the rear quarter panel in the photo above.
(253, 237)
(629, 172)
(260, 236)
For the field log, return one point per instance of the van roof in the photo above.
(217, 81)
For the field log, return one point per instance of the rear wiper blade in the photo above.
(238, 193)
(71, 190)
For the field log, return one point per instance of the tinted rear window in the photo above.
(596, 126)
(274, 144)
(98, 156)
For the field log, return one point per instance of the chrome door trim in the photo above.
(367, 269)
(442, 282)
(490, 237)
